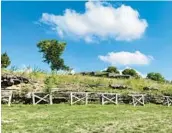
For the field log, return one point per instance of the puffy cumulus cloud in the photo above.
(126, 58)
(100, 20)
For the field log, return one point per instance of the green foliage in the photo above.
(130, 72)
(52, 51)
(5, 60)
(155, 76)
(112, 69)
(50, 82)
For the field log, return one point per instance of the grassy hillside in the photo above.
(85, 83)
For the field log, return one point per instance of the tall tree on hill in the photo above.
(52, 51)
(5, 60)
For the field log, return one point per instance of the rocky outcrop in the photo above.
(117, 86)
(8, 80)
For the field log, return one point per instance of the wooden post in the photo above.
(102, 95)
(10, 98)
(116, 99)
(51, 98)
(168, 102)
(143, 98)
(71, 98)
(33, 98)
(133, 100)
(86, 98)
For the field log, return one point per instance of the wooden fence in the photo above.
(81, 97)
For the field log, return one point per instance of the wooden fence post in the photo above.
(71, 98)
(51, 98)
(9, 100)
(116, 99)
(33, 98)
(86, 98)
(102, 96)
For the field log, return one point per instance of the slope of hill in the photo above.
(42, 81)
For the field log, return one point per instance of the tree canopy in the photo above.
(5, 60)
(130, 72)
(52, 51)
(155, 76)
(112, 69)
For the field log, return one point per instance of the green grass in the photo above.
(63, 118)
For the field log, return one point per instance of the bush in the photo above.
(130, 72)
(50, 82)
(112, 69)
(155, 77)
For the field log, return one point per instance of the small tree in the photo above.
(112, 69)
(50, 82)
(52, 51)
(130, 72)
(5, 60)
(155, 77)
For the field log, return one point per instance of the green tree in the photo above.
(5, 60)
(155, 76)
(130, 72)
(52, 51)
(112, 69)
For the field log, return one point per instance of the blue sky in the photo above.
(24, 25)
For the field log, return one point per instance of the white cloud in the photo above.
(100, 21)
(126, 58)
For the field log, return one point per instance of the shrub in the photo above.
(50, 82)
(112, 69)
(130, 72)
(155, 77)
